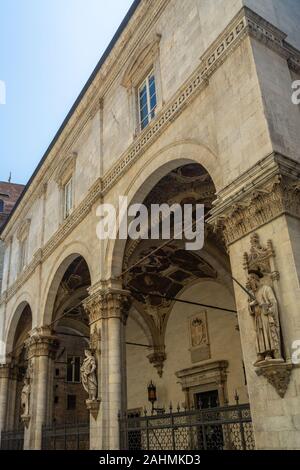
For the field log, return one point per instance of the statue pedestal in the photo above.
(25, 419)
(277, 372)
(93, 406)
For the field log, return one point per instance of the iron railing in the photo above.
(66, 437)
(222, 428)
(12, 440)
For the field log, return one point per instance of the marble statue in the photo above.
(88, 375)
(263, 307)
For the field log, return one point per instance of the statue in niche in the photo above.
(26, 391)
(88, 375)
(263, 307)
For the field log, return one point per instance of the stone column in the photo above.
(261, 226)
(41, 348)
(107, 307)
(5, 371)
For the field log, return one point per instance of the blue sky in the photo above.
(48, 49)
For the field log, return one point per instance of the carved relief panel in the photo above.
(199, 339)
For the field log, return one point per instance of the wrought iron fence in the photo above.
(12, 440)
(66, 437)
(222, 428)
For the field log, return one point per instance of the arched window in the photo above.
(1, 205)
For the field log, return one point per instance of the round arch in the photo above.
(54, 280)
(151, 172)
(14, 322)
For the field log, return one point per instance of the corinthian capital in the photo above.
(270, 189)
(107, 301)
(41, 342)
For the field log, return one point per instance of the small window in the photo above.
(57, 372)
(147, 100)
(56, 400)
(73, 369)
(68, 198)
(71, 402)
(1, 205)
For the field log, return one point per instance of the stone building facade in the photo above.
(9, 194)
(190, 102)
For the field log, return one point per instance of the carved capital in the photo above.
(277, 374)
(41, 342)
(107, 302)
(267, 194)
(6, 371)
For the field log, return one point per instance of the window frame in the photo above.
(68, 198)
(73, 364)
(151, 112)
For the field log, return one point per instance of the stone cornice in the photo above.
(245, 23)
(268, 190)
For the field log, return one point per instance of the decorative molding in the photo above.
(207, 376)
(65, 170)
(278, 375)
(23, 230)
(245, 23)
(276, 191)
(261, 259)
(142, 60)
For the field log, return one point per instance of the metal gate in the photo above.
(12, 440)
(66, 437)
(226, 428)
